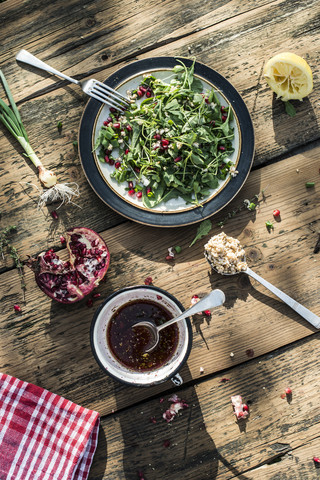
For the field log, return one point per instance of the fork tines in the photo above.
(106, 94)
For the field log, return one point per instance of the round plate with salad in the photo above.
(179, 153)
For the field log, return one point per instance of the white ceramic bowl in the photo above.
(108, 361)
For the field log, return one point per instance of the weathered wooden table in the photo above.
(273, 348)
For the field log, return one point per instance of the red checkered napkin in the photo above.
(43, 436)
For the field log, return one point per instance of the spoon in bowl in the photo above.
(297, 307)
(214, 299)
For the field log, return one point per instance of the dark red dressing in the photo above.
(128, 344)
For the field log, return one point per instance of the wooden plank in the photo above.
(41, 336)
(278, 440)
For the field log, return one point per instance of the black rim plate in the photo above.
(148, 217)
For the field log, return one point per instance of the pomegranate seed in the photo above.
(177, 159)
(130, 184)
(224, 380)
(106, 159)
(276, 212)
(148, 281)
(17, 308)
(240, 414)
(137, 169)
(62, 239)
(157, 136)
(195, 297)
(126, 151)
(221, 148)
(213, 123)
(245, 408)
(250, 352)
(143, 89)
(165, 142)
(96, 295)
(206, 100)
(223, 118)
(109, 119)
(113, 110)
(288, 391)
(169, 258)
(222, 109)
(166, 443)
(89, 302)
(105, 123)
(148, 190)
(131, 191)
(116, 125)
(283, 395)
(140, 93)
(161, 399)
(153, 420)
(54, 214)
(159, 298)
(111, 161)
(207, 313)
(117, 165)
(139, 194)
(148, 94)
(129, 128)
(316, 460)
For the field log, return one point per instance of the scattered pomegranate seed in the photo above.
(178, 159)
(139, 194)
(221, 148)
(223, 118)
(113, 110)
(153, 420)
(207, 313)
(283, 395)
(164, 142)
(250, 352)
(96, 295)
(111, 161)
(161, 400)
(116, 125)
(316, 461)
(143, 89)
(62, 239)
(137, 169)
(131, 192)
(89, 302)
(224, 380)
(148, 94)
(157, 136)
(148, 281)
(17, 308)
(245, 408)
(166, 443)
(169, 258)
(117, 165)
(54, 214)
(288, 391)
(130, 184)
(222, 108)
(206, 100)
(126, 151)
(129, 128)
(106, 159)
(213, 123)
(105, 123)
(276, 213)
(159, 298)
(140, 93)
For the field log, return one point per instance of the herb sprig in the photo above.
(5, 244)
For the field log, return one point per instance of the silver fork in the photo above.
(92, 87)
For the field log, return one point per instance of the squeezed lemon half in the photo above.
(289, 76)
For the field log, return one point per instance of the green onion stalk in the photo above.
(10, 117)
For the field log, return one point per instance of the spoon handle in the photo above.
(214, 299)
(303, 311)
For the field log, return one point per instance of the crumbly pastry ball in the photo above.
(225, 254)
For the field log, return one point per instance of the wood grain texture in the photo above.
(42, 334)
(278, 441)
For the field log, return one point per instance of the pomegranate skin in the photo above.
(71, 281)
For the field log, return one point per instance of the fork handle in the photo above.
(26, 57)
(297, 307)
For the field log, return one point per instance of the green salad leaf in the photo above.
(175, 142)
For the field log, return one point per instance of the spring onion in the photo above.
(11, 119)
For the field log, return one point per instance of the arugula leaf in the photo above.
(290, 110)
(203, 230)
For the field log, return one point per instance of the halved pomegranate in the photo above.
(71, 281)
